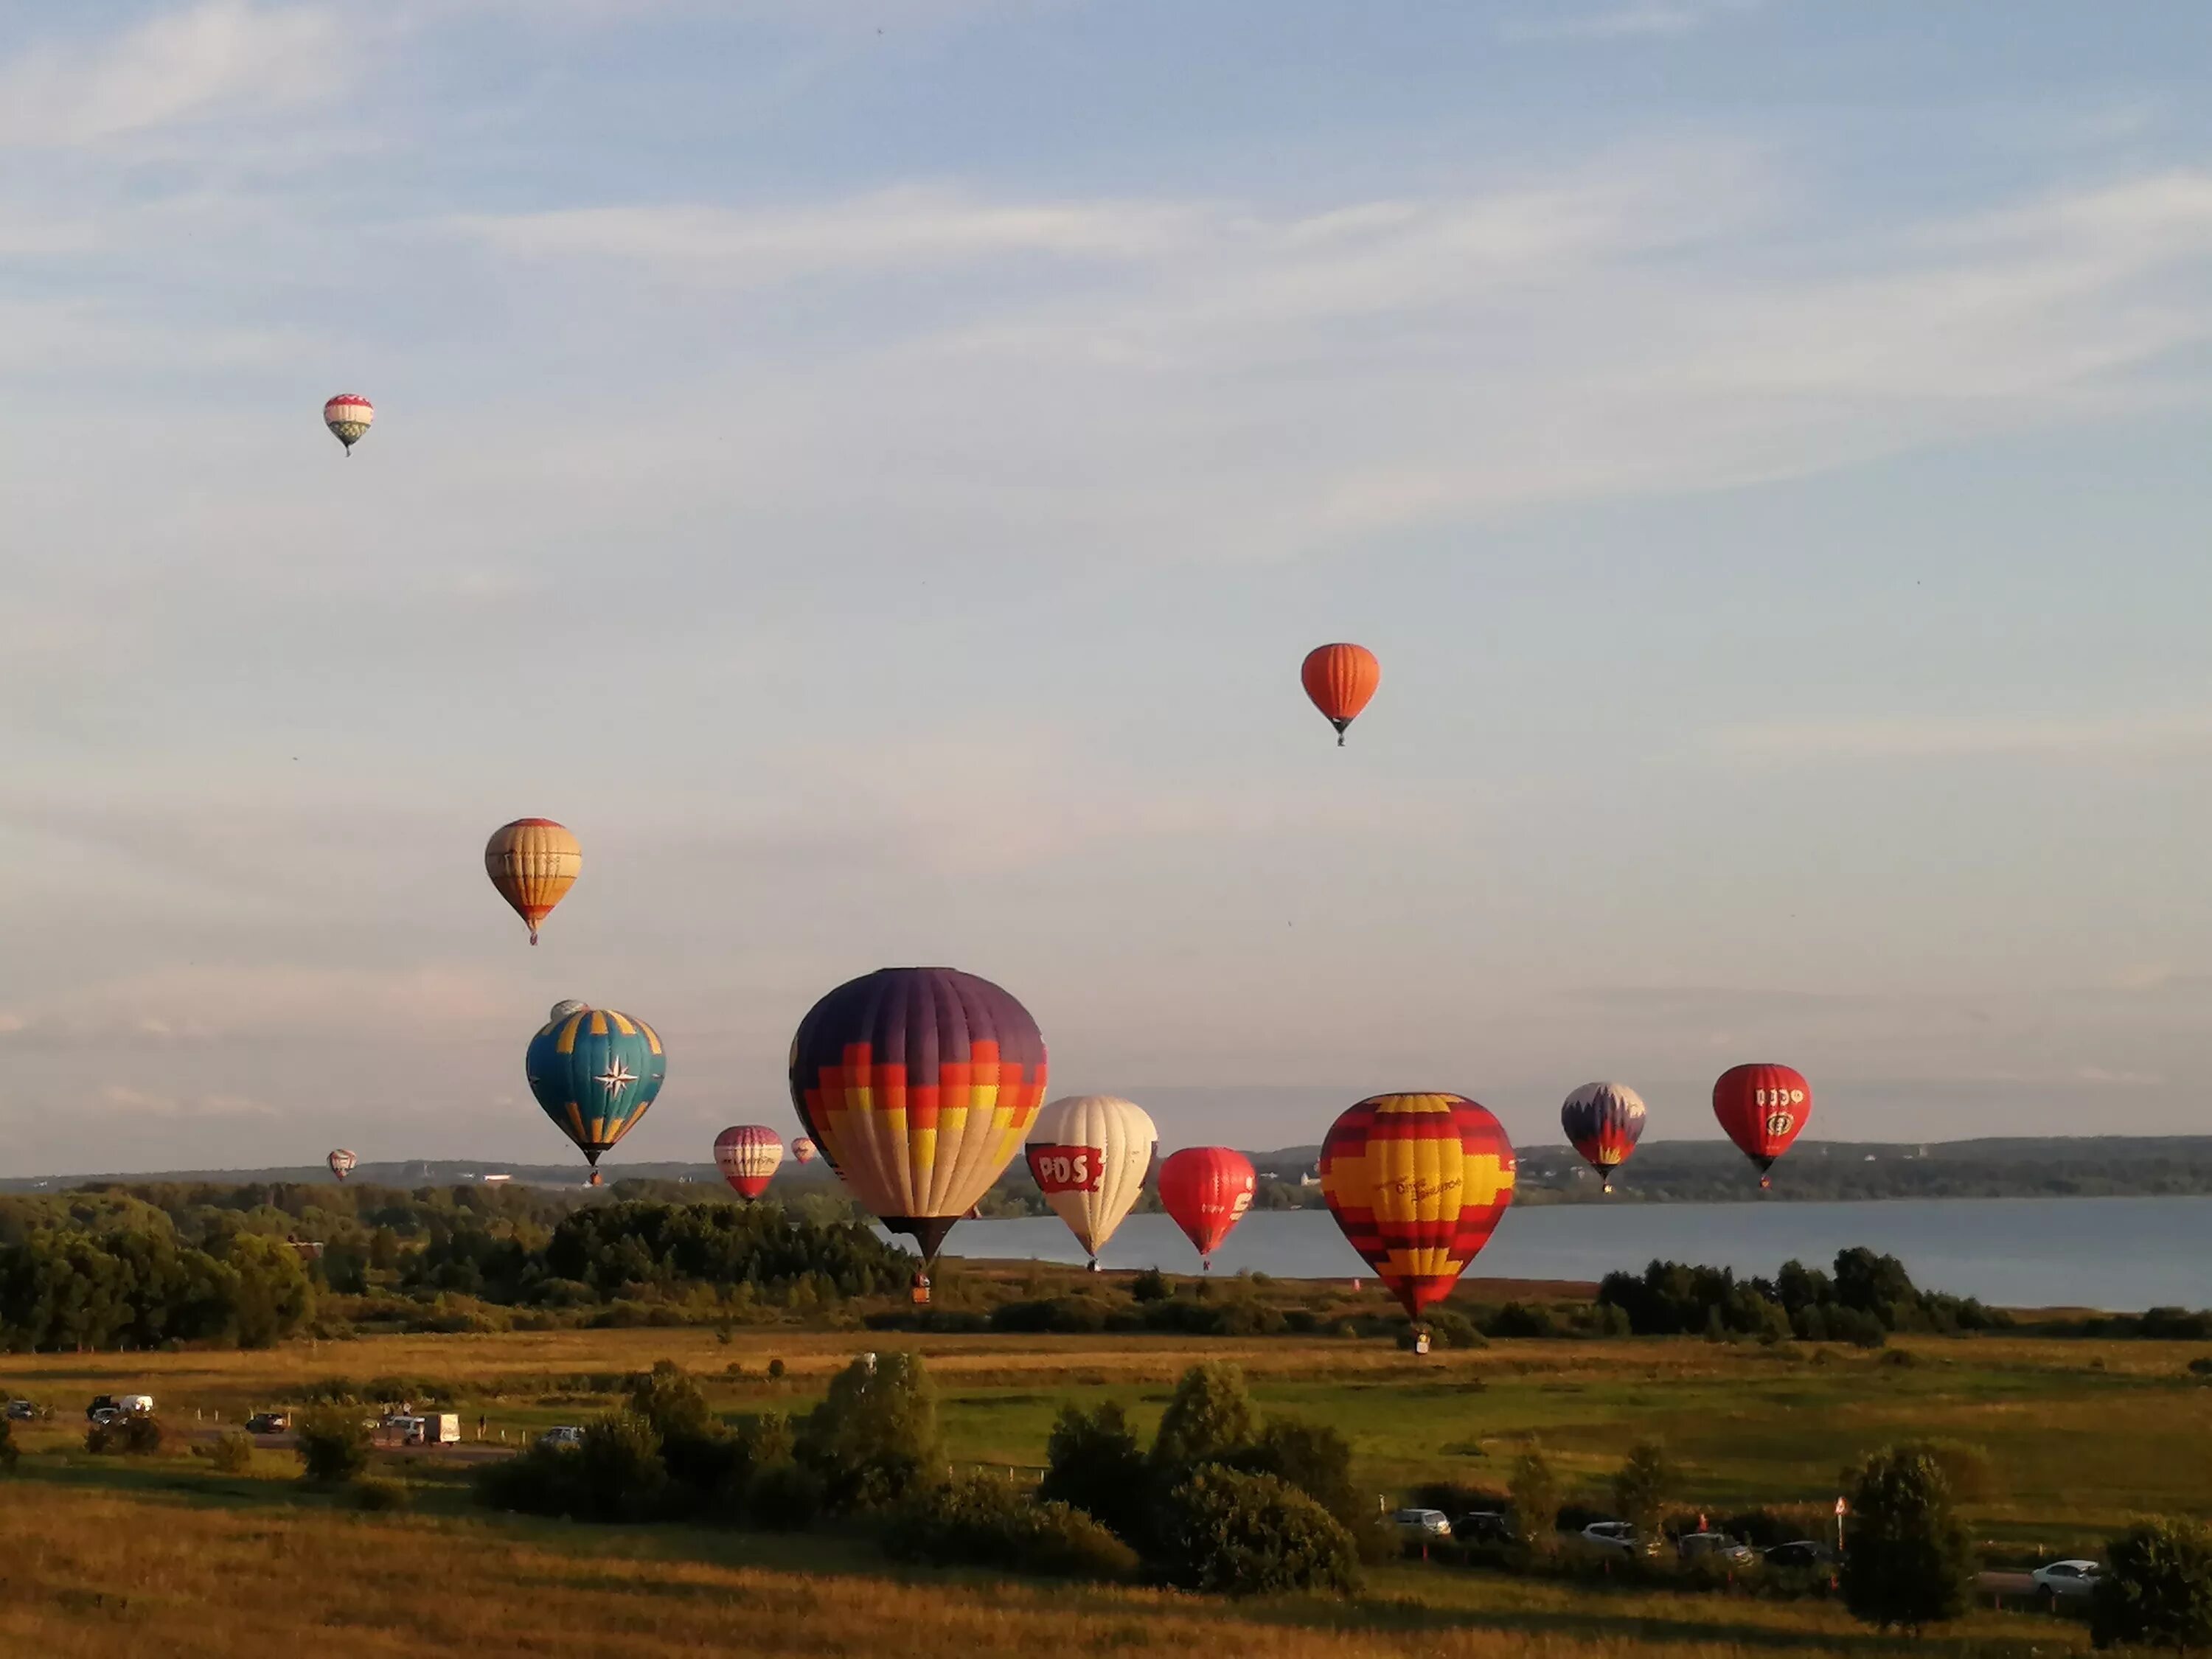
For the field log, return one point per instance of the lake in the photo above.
(2113, 1253)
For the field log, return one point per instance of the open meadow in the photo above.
(2078, 1437)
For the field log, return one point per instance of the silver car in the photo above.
(1421, 1526)
(2065, 1581)
(1613, 1537)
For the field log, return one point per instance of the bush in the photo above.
(874, 1438)
(1315, 1459)
(1093, 1463)
(1151, 1286)
(133, 1436)
(9, 1452)
(981, 1521)
(1968, 1474)
(1251, 1535)
(1642, 1487)
(1907, 1560)
(333, 1443)
(378, 1495)
(2156, 1588)
(618, 1468)
(232, 1453)
(2201, 1367)
(1208, 1420)
(784, 1497)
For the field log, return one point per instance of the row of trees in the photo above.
(1866, 1298)
(67, 1288)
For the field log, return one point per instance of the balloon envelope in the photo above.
(1340, 679)
(341, 1161)
(803, 1150)
(595, 1073)
(1603, 1121)
(1417, 1182)
(1089, 1154)
(348, 415)
(918, 1085)
(1205, 1191)
(1763, 1107)
(533, 862)
(747, 1154)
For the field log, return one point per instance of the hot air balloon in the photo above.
(1205, 1191)
(747, 1155)
(803, 1150)
(1340, 679)
(1604, 1120)
(1090, 1154)
(566, 1006)
(595, 1073)
(348, 415)
(1763, 1108)
(533, 862)
(1417, 1182)
(341, 1161)
(918, 1083)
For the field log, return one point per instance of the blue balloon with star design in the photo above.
(595, 1072)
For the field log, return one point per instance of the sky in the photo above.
(873, 472)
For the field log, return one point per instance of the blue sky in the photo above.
(873, 470)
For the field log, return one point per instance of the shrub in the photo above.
(1315, 1459)
(1907, 1560)
(784, 1497)
(1453, 1328)
(1251, 1535)
(1208, 1419)
(619, 1470)
(981, 1521)
(333, 1443)
(1536, 1501)
(1151, 1286)
(775, 1369)
(874, 1438)
(9, 1452)
(1643, 1485)
(378, 1495)
(1093, 1463)
(232, 1453)
(133, 1436)
(2201, 1366)
(1968, 1474)
(1524, 1319)
(2156, 1588)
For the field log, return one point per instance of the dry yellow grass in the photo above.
(90, 1574)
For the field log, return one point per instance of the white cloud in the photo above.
(217, 57)
(1639, 20)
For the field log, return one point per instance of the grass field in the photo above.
(102, 1555)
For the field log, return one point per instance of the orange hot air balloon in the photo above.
(1205, 1191)
(1340, 679)
(533, 862)
(1418, 1183)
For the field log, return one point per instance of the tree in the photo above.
(1536, 1501)
(2156, 1588)
(275, 1295)
(1093, 1463)
(1907, 1560)
(333, 1443)
(875, 1438)
(1642, 1487)
(9, 1453)
(1208, 1420)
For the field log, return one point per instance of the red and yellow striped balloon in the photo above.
(1418, 1183)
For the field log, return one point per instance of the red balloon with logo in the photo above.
(1763, 1107)
(1206, 1190)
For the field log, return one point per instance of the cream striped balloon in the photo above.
(1090, 1154)
(533, 862)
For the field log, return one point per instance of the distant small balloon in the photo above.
(349, 416)
(341, 1162)
(1764, 1107)
(803, 1150)
(562, 1010)
(1340, 679)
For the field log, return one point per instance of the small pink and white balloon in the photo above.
(747, 1154)
(803, 1150)
(341, 1161)
(349, 416)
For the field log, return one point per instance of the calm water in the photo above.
(2115, 1253)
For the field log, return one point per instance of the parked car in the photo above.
(1801, 1552)
(1613, 1537)
(21, 1411)
(1482, 1526)
(1421, 1526)
(2065, 1581)
(1717, 1546)
(268, 1423)
(566, 1434)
